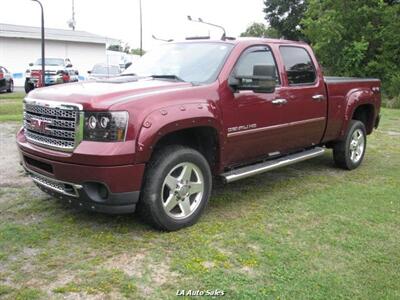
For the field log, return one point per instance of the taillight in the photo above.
(1, 75)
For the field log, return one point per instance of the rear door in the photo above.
(304, 113)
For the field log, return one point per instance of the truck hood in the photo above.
(101, 95)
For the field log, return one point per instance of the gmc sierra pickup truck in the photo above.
(188, 112)
(57, 70)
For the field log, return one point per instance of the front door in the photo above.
(252, 119)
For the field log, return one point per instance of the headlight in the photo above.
(105, 126)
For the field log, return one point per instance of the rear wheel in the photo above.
(10, 87)
(176, 189)
(349, 153)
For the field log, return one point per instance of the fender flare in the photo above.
(354, 99)
(165, 120)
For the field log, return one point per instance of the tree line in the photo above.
(358, 38)
(125, 48)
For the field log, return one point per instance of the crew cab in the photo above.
(153, 139)
(57, 70)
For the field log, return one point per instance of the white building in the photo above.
(21, 45)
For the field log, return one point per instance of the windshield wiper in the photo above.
(172, 77)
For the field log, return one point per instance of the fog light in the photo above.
(103, 192)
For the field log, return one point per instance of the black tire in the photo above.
(10, 87)
(342, 152)
(151, 205)
(28, 86)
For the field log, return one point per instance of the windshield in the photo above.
(50, 61)
(192, 62)
(112, 70)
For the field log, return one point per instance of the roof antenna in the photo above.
(200, 20)
(158, 39)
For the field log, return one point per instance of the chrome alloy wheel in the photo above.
(357, 145)
(182, 190)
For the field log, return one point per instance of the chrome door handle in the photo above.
(318, 97)
(279, 101)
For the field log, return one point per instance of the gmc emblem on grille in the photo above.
(40, 125)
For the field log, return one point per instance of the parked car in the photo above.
(104, 71)
(6, 80)
(56, 71)
(153, 138)
(73, 75)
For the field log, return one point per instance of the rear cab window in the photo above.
(299, 67)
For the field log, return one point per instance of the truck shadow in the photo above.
(224, 196)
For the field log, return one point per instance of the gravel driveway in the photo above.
(11, 173)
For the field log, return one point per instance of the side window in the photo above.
(298, 65)
(254, 57)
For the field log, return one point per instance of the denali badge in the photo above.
(39, 125)
(241, 127)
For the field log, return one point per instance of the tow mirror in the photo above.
(263, 80)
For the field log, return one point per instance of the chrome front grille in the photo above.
(39, 108)
(52, 124)
(56, 123)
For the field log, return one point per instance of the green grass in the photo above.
(15, 95)
(11, 106)
(309, 231)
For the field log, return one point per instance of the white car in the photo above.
(103, 71)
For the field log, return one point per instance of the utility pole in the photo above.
(72, 23)
(73, 15)
(141, 28)
(43, 56)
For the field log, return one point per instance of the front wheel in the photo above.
(176, 189)
(349, 153)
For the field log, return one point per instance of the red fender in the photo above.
(174, 118)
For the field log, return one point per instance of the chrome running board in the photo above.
(266, 166)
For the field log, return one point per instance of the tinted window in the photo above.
(254, 57)
(298, 65)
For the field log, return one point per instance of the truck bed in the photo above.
(338, 90)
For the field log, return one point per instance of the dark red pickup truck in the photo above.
(154, 138)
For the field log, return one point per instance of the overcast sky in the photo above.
(119, 19)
